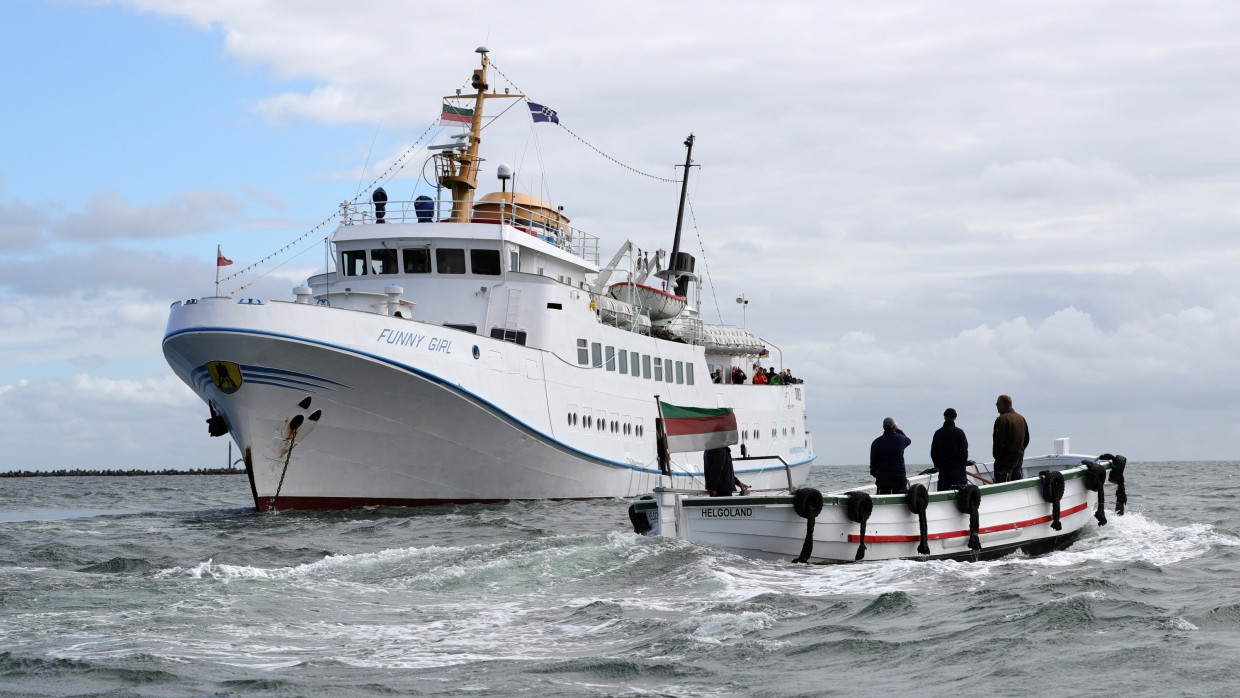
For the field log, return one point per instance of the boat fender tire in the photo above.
(641, 522)
(917, 499)
(1095, 477)
(807, 502)
(1052, 491)
(969, 501)
(1117, 478)
(860, 506)
(807, 505)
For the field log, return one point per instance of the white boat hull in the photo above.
(382, 423)
(1011, 516)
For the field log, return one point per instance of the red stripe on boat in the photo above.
(856, 537)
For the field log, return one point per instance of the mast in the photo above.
(458, 171)
(672, 273)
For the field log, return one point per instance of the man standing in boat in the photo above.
(721, 480)
(949, 451)
(1010, 441)
(887, 459)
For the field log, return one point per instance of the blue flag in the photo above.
(540, 113)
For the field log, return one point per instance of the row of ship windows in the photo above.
(586, 421)
(634, 363)
(417, 260)
(614, 426)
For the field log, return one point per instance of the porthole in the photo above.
(477, 353)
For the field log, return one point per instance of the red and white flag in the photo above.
(698, 428)
(220, 259)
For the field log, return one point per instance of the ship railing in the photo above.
(427, 210)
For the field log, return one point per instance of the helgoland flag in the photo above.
(698, 428)
(220, 259)
(540, 113)
(459, 115)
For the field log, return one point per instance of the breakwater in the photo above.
(121, 473)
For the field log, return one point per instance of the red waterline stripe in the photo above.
(856, 538)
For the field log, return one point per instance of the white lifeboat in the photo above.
(652, 302)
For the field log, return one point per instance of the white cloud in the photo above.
(926, 205)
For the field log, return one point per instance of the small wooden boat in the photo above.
(1043, 512)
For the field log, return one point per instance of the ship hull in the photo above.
(439, 417)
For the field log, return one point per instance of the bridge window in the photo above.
(484, 262)
(417, 261)
(353, 262)
(611, 358)
(680, 372)
(583, 353)
(450, 261)
(383, 261)
(658, 369)
(596, 355)
(624, 361)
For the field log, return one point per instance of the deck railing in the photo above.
(427, 210)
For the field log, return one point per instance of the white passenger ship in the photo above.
(473, 350)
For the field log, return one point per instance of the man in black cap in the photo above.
(887, 459)
(949, 451)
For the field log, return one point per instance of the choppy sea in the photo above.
(174, 586)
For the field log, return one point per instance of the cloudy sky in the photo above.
(926, 203)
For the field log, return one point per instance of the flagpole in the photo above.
(218, 253)
(665, 458)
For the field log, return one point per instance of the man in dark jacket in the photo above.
(1010, 441)
(721, 480)
(949, 451)
(887, 459)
